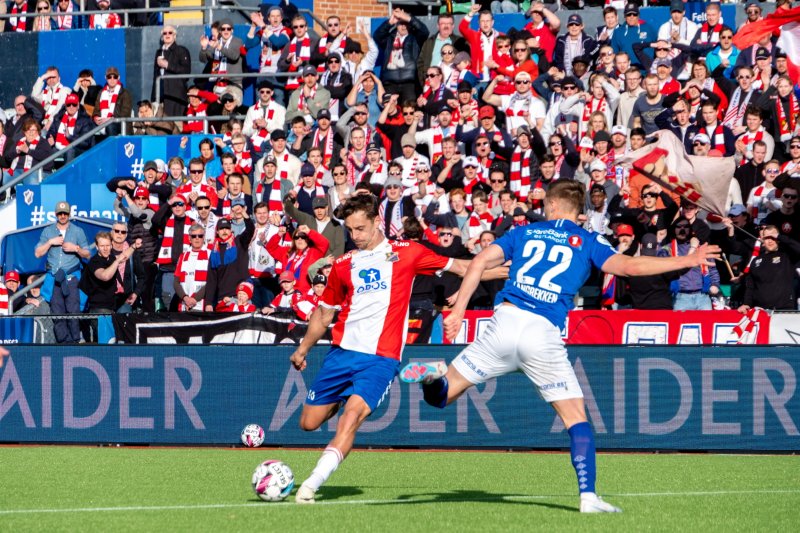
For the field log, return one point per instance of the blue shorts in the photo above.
(346, 372)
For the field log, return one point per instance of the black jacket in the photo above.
(83, 124)
(173, 91)
(412, 46)
(223, 280)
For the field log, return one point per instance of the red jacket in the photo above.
(299, 264)
(473, 37)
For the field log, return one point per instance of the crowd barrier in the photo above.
(670, 398)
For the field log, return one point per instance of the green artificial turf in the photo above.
(54, 488)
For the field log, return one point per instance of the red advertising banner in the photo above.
(639, 327)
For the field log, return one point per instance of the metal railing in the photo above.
(430, 4)
(230, 75)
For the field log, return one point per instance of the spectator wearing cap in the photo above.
(308, 188)
(770, 280)
(597, 175)
(288, 165)
(787, 217)
(753, 11)
(359, 113)
(269, 187)
(11, 281)
(65, 245)
(409, 159)
(694, 289)
(238, 215)
(222, 54)
(263, 117)
(308, 246)
(666, 64)
(320, 220)
(781, 65)
(632, 31)
(171, 58)
(678, 29)
(572, 44)
(113, 101)
(355, 61)
(322, 137)
(36, 305)
(401, 37)
(760, 57)
(290, 301)
(337, 82)
(647, 216)
(377, 169)
(172, 223)
(228, 264)
(597, 218)
(424, 190)
(394, 208)
(434, 135)
(318, 285)
(243, 302)
(431, 51)
(309, 98)
(138, 214)
(298, 54)
(487, 127)
(521, 107)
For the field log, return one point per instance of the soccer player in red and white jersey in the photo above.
(371, 288)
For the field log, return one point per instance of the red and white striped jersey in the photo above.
(372, 289)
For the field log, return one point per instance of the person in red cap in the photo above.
(173, 222)
(242, 304)
(486, 117)
(71, 122)
(11, 280)
(290, 300)
(228, 264)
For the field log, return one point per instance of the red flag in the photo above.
(785, 22)
(704, 181)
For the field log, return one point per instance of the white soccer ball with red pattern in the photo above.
(253, 435)
(273, 481)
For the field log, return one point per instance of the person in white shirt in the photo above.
(409, 160)
(49, 92)
(521, 107)
(263, 117)
(288, 165)
(678, 29)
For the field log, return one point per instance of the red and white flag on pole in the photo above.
(704, 181)
(786, 23)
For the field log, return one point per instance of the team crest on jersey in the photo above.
(372, 280)
(575, 241)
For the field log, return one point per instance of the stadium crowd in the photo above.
(458, 132)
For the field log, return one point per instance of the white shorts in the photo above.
(519, 340)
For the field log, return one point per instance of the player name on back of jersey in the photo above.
(542, 289)
(537, 293)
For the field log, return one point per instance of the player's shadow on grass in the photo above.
(474, 496)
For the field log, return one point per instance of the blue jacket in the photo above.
(713, 61)
(626, 35)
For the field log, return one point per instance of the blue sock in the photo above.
(582, 453)
(435, 393)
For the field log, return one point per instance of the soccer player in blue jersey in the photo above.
(550, 261)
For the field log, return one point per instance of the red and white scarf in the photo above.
(303, 53)
(18, 24)
(487, 50)
(396, 59)
(27, 161)
(64, 21)
(105, 21)
(317, 192)
(267, 113)
(355, 164)
(195, 126)
(396, 223)
(244, 162)
(4, 311)
(436, 147)
(745, 331)
(260, 263)
(479, 223)
(718, 138)
(709, 35)
(788, 124)
(756, 253)
(108, 100)
(590, 106)
(325, 144)
(269, 57)
(520, 176)
(735, 111)
(749, 139)
(219, 62)
(165, 252)
(273, 199)
(50, 100)
(301, 101)
(192, 274)
(66, 129)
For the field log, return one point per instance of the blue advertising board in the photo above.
(726, 398)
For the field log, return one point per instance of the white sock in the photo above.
(326, 466)
(589, 496)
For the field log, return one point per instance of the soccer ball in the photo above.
(273, 481)
(253, 435)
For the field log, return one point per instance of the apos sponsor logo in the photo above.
(372, 281)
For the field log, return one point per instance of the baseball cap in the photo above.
(601, 136)
(485, 111)
(518, 211)
(319, 279)
(423, 165)
(319, 201)
(63, 207)
(677, 5)
(307, 170)
(72, 98)
(223, 223)
(574, 19)
(780, 53)
(444, 107)
(623, 229)
(471, 161)
(238, 201)
(582, 59)
(619, 129)
(12, 275)
(664, 62)
(630, 7)
(523, 130)
(649, 245)
(701, 138)
(352, 46)
(309, 70)
(587, 143)
(408, 140)
(762, 53)
(245, 287)
(323, 113)
(373, 147)
(141, 192)
(286, 276)
(269, 159)
(277, 134)
(597, 165)
(753, 3)
(736, 210)
(150, 165)
(597, 188)
(393, 182)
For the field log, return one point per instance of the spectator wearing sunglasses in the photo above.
(769, 282)
(113, 101)
(71, 122)
(695, 288)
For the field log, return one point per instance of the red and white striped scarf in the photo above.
(273, 199)
(319, 191)
(199, 111)
(64, 21)
(27, 161)
(355, 163)
(709, 35)
(473, 109)
(219, 62)
(735, 112)
(267, 113)
(4, 311)
(788, 124)
(608, 159)
(165, 252)
(396, 224)
(269, 57)
(50, 100)
(323, 44)
(105, 21)
(18, 24)
(244, 162)
(304, 54)
(718, 138)
(749, 139)
(520, 176)
(226, 204)
(744, 332)
(592, 104)
(756, 253)
(301, 101)
(436, 148)
(396, 57)
(234, 307)
(66, 128)
(192, 273)
(326, 147)
(479, 223)
(108, 100)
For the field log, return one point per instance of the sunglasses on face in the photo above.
(198, 236)
(333, 60)
(360, 113)
(481, 145)
(447, 52)
(772, 171)
(522, 82)
(225, 28)
(789, 197)
(178, 204)
(663, 49)
(431, 75)
(794, 146)
(333, 24)
(395, 173)
(445, 234)
(340, 173)
(112, 76)
(408, 113)
(520, 49)
(555, 143)
(203, 207)
(298, 27)
(392, 187)
(726, 37)
(265, 91)
(70, 105)
(167, 33)
(498, 181)
(569, 87)
(121, 231)
(649, 195)
(196, 171)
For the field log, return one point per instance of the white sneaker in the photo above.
(304, 495)
(423, 372)
(592, 503)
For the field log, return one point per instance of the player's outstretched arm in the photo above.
(489, 258)
(318, 324)
(623, 265)
(459, 268)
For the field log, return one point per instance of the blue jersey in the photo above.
(550, 261)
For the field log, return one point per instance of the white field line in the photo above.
(289, 504)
